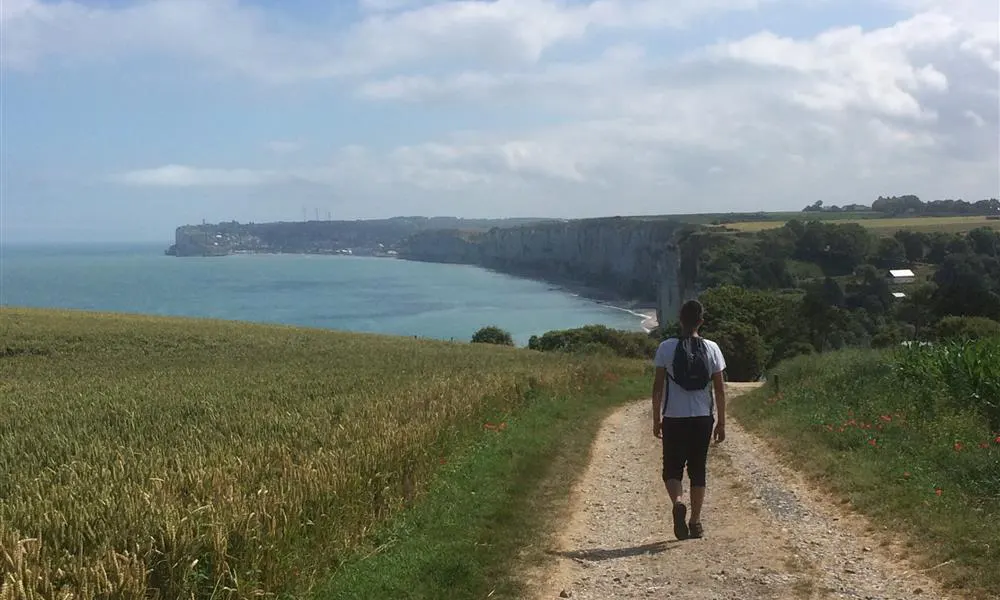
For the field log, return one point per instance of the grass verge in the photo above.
(489, 512)
(902, 445)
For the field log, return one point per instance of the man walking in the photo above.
(688, 370)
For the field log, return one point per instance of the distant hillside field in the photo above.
(888, 225)
(216, 459)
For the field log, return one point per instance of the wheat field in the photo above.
(164, 458)
(889, 225)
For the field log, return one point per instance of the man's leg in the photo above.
(673, 459)
(697, 500)
(675, 443)
(675, 489)
(697, 466)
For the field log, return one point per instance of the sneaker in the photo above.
(695, 531)
(680, 527)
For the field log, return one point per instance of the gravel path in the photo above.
(768, 534)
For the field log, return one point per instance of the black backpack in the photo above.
(691, 370)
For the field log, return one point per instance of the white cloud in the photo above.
(975, 118)
(390, 5)
(236, 36)
(765, 120)
(851, 112)
(184, 176)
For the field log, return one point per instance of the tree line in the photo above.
(817, 286)
(910, 205)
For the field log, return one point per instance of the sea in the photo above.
(361, 294)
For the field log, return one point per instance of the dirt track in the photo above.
(768, 534)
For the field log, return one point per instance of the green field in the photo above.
(216, 459)
(889, 225)
(909, 437)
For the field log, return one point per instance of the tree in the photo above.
(775, 316)
(897, 205)
(590, 338)
(890, 254)
(892, 334)
(744, 349)
(838, 249)
(968, 285)
(792, 349)
(937, 247)
(492, 335)
(870, 291)
(847, 247)
(967, 328)
(985, 241)
(914, 243)
(917, 308)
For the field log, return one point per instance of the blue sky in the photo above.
(124, 119)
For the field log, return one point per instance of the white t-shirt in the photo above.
(680, 402)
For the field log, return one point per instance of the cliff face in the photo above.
(629, 258)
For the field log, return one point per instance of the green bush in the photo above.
(744, 349)
(492, 335)
(967, 328)
(792, 350)
(893, 334)
(589, 340)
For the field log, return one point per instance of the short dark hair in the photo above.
(692, 313)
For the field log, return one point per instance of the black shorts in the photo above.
(685, 443)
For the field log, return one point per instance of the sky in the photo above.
(123, 119)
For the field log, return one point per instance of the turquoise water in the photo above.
(376, 295)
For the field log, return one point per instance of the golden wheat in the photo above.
(162, 458)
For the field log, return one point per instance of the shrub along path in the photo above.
(768, 533)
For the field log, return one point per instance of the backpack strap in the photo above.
(680, 340)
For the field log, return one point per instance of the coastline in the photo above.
(647, 314)
(644, 311)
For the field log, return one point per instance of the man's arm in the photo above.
(720, 402)
(658, 381)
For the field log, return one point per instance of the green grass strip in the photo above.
(466, 537)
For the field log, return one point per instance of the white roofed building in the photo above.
(901, 276)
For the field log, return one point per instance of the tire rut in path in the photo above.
(768, 534)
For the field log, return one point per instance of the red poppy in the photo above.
(872, 442)
(958, 446)
(887, 418)
(984, 444)
(906, 474)
(938, 491)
